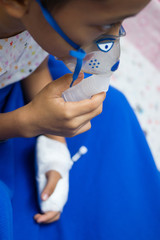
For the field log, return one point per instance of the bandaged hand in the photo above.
(53, 162)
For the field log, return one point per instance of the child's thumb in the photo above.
(63, 83)
(52, 179)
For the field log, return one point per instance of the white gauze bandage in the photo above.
(52, 155)
(58, 198)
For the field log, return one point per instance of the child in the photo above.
(14, 69)
(47, 113)
(11, 71)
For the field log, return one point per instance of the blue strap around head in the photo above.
(55, 26)
(80, 55)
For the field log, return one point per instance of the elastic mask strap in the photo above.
(55, 26)
(80, 55)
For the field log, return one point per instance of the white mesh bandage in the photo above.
(52, 155)
(58, 198)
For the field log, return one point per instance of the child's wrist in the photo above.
(26, 122)
(57, 138)
(52, 155)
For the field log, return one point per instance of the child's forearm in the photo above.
(18, 122)
(34, 84)
(14, 124)
(58, 138)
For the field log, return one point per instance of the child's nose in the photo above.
(116, 28)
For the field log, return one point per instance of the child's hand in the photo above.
(48, 113)
(56, 201)
(52, 179)
(51, 216)
(53, 162)
(47, 217)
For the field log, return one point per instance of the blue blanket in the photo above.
(114, 188)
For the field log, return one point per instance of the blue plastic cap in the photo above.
(115, 66)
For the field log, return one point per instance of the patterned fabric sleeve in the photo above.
(19, 57)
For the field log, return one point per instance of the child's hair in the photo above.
(49, 4)
(52, 4)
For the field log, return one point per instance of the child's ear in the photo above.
(14, 8)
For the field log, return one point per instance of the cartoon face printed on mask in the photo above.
(102, 57)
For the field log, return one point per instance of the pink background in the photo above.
(144, 32)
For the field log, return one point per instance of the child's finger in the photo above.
(47, 217)
(87, 106)
(56, 218)
(41, 217)
(79, 79)
(36, 216)
(52, 178)
(84, 128)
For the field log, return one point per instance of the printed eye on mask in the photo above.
(100, 57)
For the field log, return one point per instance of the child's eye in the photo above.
(105, 47)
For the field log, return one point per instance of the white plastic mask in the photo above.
(102, 57)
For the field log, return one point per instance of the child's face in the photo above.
(81, 20)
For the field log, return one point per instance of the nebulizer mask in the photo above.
(99, 60)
